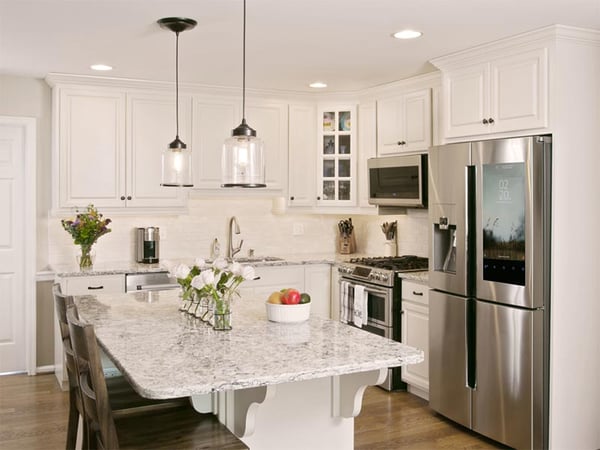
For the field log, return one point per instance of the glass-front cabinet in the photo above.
(337, 156)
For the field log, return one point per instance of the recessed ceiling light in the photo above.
(100, 67)
(407, 34)
(318, 85)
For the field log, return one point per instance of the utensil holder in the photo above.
(390, 248)
(346, 244)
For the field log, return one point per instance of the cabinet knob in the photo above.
(491, 121)
(292, 197)
(485, 121)
(401, 142)
(129, 197)
(122, 197)
(319, 198)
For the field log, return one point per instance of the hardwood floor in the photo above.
(33, 415)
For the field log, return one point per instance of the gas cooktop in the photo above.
(406, 263)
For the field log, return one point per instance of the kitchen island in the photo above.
(274, 385)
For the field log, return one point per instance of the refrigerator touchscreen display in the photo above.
(503, 221)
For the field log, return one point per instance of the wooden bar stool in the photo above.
(180, 427)
(123, 398)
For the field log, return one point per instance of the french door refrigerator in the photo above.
(489, 315)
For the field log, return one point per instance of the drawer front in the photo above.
(415, 292)
(112, 284)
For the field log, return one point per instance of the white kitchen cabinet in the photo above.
(302, 154)
(404, 123)
(367, 148)
(109, 147)
(151, 126)
(336, 156)
(216, 117)
(508, 93)
(415, 333)
(90, 131)
(311, 278)
(317, 283)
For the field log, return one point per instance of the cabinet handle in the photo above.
(491, 121)
(122, 197)
(95, 288)
(420, 294)
(129, 197)
(292, 197)
(485, 121)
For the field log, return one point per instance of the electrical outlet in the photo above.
(297, 229)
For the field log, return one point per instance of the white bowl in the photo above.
(288, 313)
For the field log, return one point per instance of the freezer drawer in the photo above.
(448, 391)
(507, 400)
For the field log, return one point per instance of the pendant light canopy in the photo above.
(177, 158)
(243, 163)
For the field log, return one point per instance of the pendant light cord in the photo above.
(244, 67)
(177, 84)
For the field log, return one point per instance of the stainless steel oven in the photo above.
(382, 288)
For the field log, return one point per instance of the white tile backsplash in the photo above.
(191, 235)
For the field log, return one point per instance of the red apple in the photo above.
(291, 297)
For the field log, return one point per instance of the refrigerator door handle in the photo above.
(471, 344)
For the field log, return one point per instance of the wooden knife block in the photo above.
(346, 244)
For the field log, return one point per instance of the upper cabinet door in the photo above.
(501, 95)
(301, 158)
(270, 120)
(417, 120)
(214, 118)
(91, 143)
(519, 85)
(151, 127)
(404, 123)
(466, 100)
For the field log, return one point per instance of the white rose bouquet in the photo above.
(219, 279)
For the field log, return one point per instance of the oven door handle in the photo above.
(368, 288)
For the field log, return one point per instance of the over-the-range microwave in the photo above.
(398, 181)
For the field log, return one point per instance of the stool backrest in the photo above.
(92, 382)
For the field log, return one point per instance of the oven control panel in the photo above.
(368, 274)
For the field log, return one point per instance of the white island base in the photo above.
(316, 414)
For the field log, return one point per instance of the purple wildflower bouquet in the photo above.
(87, 227)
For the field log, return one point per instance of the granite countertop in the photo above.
(422, 277)
(165, 353)
(123, 267)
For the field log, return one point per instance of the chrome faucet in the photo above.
(233, 250)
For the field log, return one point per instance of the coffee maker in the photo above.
(147, 245)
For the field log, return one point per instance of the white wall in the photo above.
(575, 343)
(190, 236)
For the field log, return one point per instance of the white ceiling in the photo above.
(345, 43)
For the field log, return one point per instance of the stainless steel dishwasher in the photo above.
(149, 281)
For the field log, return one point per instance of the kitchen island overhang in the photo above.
(272, 384)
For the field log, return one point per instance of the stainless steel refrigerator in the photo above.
(489, 269)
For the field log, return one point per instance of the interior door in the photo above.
(448, 391)
(17, 245)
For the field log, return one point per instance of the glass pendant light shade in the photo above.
(176, 160)
(177, 165)
(242, 162)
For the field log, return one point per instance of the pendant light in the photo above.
(177, 158)
(243, 163)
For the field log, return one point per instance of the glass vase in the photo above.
(86, 258)
(222, 312)
(186, 300)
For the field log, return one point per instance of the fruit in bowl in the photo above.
(288, 305)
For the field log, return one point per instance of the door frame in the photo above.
(30, 231)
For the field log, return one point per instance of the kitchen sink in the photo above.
(257, 259)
